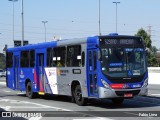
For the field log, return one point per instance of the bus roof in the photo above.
(33, 46)
(92, 39)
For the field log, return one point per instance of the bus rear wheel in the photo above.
(78, 96)
(29, 92)
(117, 100)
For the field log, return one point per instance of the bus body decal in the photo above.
(41, 86)
(51, 74)
(35, 77)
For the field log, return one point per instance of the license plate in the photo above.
(128, 95)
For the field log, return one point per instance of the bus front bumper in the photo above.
(115, 93)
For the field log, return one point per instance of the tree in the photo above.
(146, 37)
(154, 49)
(151, 56)
(2, 61)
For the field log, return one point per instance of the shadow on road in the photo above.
(138, 102)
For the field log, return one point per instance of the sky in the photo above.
(77, 19)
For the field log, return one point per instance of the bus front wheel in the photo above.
(29, 92)
(78, 96)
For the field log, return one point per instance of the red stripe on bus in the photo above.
(35, 76)
(116, 86)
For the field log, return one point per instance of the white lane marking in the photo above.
(20, 107)
(6, 91)
(103, 118)
(97, 118)
(5, 100)
(3, 83)
(21, 93)
(87, 119)
(57, 108)
(7, 108)
(155, 94)
(35, 118)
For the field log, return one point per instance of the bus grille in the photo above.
(121, 93)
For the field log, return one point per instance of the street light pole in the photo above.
(13, 16)
(22, 42)
(99, 14)
(44, 22)
(116, 13)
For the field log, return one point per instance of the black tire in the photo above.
(72, 97)
(78, 96)
(29, 92)
(117, 101)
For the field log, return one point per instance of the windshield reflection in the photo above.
(123, 62)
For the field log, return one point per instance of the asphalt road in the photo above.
(60, 107)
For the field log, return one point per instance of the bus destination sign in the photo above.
(118, 41)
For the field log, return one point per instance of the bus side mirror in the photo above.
(99, 55)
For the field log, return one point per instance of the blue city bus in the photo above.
(111, 66)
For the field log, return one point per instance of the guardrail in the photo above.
(154, 75)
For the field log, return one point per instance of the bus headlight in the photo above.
(105, 84)
(145, 84)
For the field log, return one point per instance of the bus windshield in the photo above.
(123, 62)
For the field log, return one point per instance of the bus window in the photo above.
(9, 62)
(58, 57)
(32, 58)
(83, 59)
(60, 54)
(54, 58)
(24, 58)
(49, 57)
(90, 58)
(95, 60)
(74, 56)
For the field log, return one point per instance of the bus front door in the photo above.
(16, 64)
(40, 71)
(92, 73)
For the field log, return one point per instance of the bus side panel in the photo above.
(25, 74)
(10, 78)
(66, 75)
(51, 86)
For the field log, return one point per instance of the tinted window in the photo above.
(74, 56)
(9, 61)
(56, 57)
(95, 60)
(49, 57)
(32, 58)
(60, 54)
(24, 58)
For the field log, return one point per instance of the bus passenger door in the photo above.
(16, 64)
(92, 72)
(40, 71)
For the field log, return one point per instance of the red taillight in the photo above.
(116, 86)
